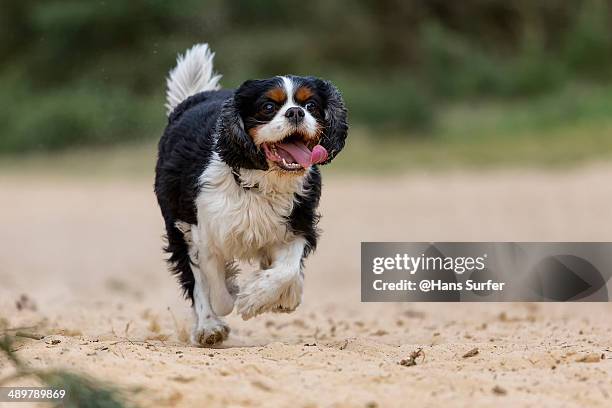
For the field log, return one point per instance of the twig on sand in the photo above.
(411, 360)
(471, 353)
(33, 336)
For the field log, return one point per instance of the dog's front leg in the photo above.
(210, 295)
(214, 269)
(208, 329)
(278, 288)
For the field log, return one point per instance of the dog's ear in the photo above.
(235, 146)
(336, 125)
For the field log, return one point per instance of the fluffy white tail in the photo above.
(193, 73)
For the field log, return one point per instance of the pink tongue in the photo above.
(302, 155)
(319, 154)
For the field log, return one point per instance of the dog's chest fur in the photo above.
(241, 222)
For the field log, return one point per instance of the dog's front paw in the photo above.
(265, 292)
(211, 332)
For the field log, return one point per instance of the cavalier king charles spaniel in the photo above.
(237, 180)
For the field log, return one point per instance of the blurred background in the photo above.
(429, 84)
(472, 120)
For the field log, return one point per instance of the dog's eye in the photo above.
(268, 108)
(311, 106)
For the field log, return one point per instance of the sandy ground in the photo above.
(87, 256)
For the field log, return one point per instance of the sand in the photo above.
(87, 257)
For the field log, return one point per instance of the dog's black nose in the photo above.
(295, 114)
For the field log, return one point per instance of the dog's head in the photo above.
(284, 123)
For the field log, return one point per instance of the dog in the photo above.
(237, 180)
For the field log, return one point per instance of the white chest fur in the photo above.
(240, 222)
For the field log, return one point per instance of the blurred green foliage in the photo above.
(92, 72)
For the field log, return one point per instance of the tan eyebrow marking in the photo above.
(277, 95)
(303, 94)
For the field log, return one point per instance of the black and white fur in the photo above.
(223, 201)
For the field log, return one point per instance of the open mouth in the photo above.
(293, 153)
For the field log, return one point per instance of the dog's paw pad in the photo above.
(209, 335)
